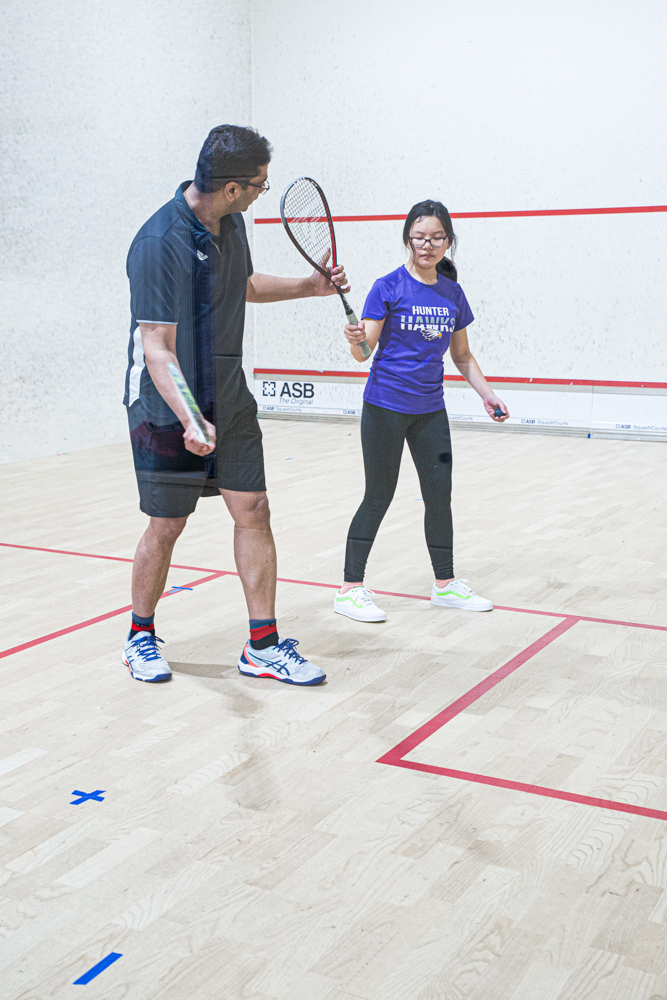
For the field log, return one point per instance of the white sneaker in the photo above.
(144, 658)
(282, 662)
(457, 594)
(356, 603)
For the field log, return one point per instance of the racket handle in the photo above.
(364, 346)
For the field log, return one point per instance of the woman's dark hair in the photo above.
(436, 208)
(231, 152)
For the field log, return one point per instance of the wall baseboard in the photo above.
(464, 425)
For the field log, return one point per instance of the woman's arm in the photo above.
(368, 329)
(472, 373)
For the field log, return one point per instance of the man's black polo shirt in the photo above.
(181, 274)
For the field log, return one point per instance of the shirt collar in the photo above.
(200, 232)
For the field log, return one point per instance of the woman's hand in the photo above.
(355, 334)
(492, 403)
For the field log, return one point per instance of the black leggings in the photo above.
(382, 435)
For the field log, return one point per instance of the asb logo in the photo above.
(289, 390)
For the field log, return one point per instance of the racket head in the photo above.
(307, 220)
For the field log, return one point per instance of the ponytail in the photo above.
(447, 268)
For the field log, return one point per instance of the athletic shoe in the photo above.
(144, 659)
(282, 662)
(356, 603)
(457, 594)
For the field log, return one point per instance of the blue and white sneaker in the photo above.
(144, 659)
(282, 662)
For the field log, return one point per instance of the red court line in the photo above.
(511, 379)
(475, 693)
(92, 555)
(518, 786)
(395, 756)
(334, 586)
(99, 618)
(527, 213)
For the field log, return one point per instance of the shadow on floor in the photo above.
(204, 669)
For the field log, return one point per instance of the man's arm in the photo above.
(159, 343)
(269, 288)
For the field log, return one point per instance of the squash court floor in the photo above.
(473, 807)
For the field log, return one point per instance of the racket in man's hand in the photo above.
(190, 404)
(307, 219)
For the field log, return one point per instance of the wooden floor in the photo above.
(249, 844)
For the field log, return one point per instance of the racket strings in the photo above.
(307, 220)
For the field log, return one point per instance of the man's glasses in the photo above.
(244, 180)
(436, 243)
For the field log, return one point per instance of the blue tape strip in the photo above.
(182, 588)
(112, 957)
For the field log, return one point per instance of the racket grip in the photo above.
(364, 346)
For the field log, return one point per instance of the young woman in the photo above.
(414, 314)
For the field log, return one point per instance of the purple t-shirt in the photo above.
(407, 371)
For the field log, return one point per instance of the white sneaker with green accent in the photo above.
(356, 603)
(457, 594)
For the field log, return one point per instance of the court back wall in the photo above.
(105, 108)
(518, 106)
(489, 107)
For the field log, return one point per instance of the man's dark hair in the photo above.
(231, 152)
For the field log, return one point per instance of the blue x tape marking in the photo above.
(96, 795)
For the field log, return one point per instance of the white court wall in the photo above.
(488, 107)
(104, 110)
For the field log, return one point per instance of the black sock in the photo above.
(263, 633)
(142, 624)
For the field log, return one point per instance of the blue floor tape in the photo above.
(85, 796)
(112, 957)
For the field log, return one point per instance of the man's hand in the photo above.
(492, 403)
(325, 286)
(192, 442)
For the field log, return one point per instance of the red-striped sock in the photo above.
(142, 624)
(263, 632)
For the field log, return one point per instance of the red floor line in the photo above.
(519, 786)
(93, 555)
(99, 618)
(334, 586)
(470, 697)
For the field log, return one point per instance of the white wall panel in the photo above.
(489, 107)
(104, 110)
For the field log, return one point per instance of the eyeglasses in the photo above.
(262, 187)
(436, 243)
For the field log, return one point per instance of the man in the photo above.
(190, 276)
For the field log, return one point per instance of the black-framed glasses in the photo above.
(436, 242)
(263, 188)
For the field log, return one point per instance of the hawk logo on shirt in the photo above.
(202, 256)
(431, 333)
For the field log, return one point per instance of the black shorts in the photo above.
(171, 479)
